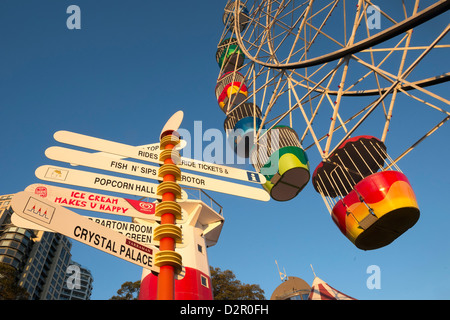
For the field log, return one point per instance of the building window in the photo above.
(204, 281)
(200, 248)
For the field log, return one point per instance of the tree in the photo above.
(9, 289)
(128, 291)
(227, 287)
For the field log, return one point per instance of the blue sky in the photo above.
(127, 70)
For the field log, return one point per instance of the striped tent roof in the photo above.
(321, 290)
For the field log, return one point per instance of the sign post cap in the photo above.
(173, 123)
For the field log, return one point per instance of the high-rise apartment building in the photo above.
(45, 268)
(42, 258)
(15, 243)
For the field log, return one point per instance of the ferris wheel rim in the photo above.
(419, 18)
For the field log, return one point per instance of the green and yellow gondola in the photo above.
(280, 157)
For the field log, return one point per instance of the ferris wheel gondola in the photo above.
(371, 206)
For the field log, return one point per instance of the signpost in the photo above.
(147, 171)
(127, 151)
(42, 212)
(40, 206)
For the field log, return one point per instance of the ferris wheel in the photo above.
(330, 75)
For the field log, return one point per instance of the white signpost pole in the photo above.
(49, 215)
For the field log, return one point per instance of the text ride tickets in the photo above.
(94, 201)
(97, 161)
(128, 151)
(99, 181)
(40, 211)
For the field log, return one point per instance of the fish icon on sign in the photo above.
(39, 210)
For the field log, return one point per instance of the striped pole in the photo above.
(169, 210)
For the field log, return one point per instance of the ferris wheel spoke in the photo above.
(351, 118)
(405, 87)
(308, 121)
(369, 3)
(371, 71)
(308, 80)
(377, 79)
(320, 31)
(338, 116)
(402, 78)
(369, 111)
(399, 73)
(271, 102)
(415, 144)
(336, 106)
(270, 23)
(441, 46)
(424, 102)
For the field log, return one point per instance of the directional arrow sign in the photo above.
(94, 201)
(151, 172)
(141, 233)
(127, 151)
(61, 220)
(99, 181)
(154, 147)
